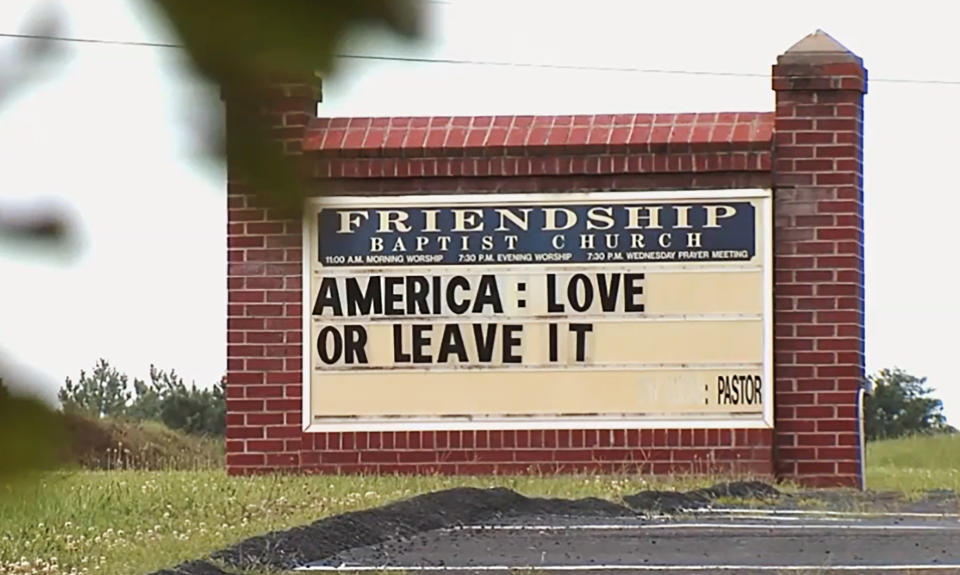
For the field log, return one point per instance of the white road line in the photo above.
(733, 526)
(574, 568)
(814, 512)
(779, 518)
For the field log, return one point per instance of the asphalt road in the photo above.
(742, 541)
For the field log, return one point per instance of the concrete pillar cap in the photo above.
(818, 48)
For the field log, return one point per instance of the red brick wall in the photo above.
(264, 331)
(819, 299)
(809, 151)
(264, 309)
(264, 371)
(504, 452)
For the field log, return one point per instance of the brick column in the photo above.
(819, 298)
(264, 281)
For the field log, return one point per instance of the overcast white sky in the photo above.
(109, 132)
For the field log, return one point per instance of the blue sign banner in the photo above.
(512, 234)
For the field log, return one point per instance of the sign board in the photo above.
(518, 311)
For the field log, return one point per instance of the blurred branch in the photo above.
(246, 45)
(242, 46)
(34, 52)
(244, 42)
(42, 224)
(45, 225)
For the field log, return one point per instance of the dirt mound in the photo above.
(442, 509)
(674, 501)
(108, 444)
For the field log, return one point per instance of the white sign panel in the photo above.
(593, 310)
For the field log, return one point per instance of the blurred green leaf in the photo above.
(47, 225)
(31, 435)
(34, 52)
(244, 42)
(246, 45)
(243, 46)
(255, 156)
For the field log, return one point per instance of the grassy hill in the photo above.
(137, 445)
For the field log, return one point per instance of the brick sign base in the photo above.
(808, 151)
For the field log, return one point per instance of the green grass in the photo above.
(915, 464)
(129, 522)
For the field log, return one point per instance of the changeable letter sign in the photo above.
(595, 310)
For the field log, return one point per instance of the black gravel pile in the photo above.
(674, 501)
(443, 509)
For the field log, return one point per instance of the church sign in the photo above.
(511, 311)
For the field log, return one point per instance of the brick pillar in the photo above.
(819, 297)
(264, 281)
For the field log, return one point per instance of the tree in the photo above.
(900, 405)
(147, 398)
(238, 44)
(191, 409)
(104, 393)
(165, 398)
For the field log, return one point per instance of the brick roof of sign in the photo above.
(463, 135)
